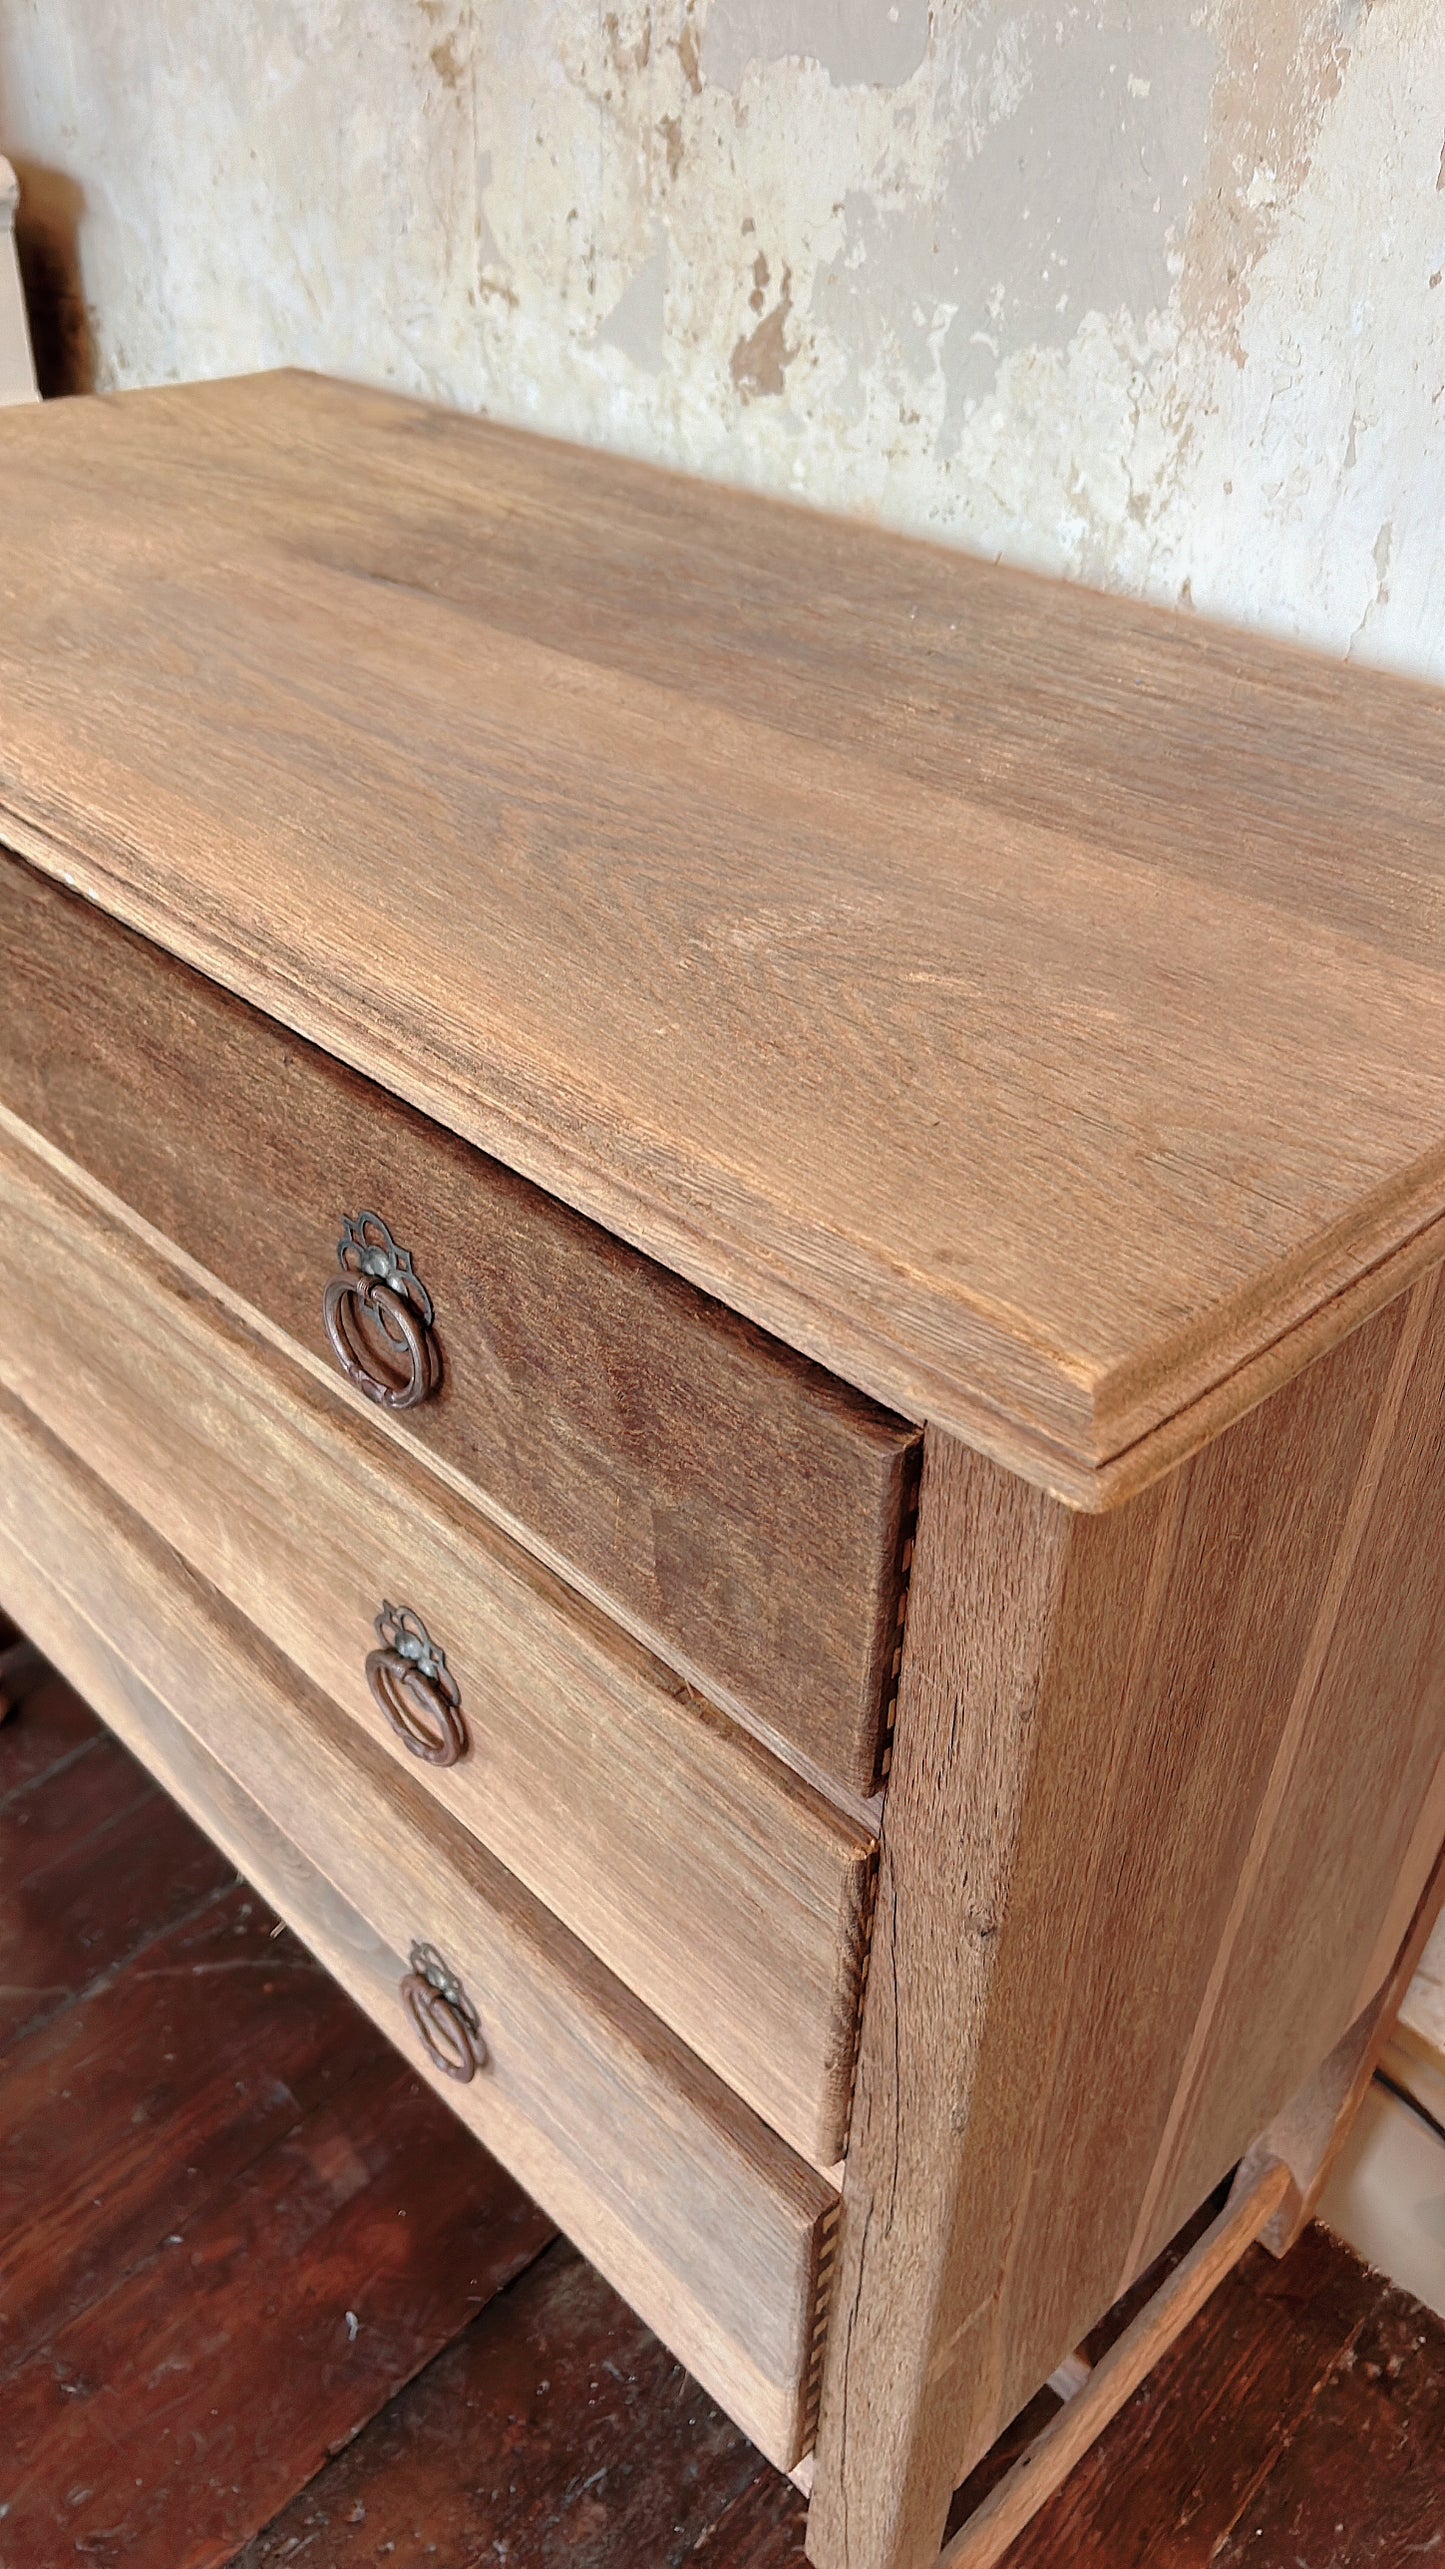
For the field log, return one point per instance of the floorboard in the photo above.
(265, 2303)
(1263, 2436)
(235, 2223)
(1362, 2483)
(127, 2113)
(57, 1728)
(558, 2430)
(94, 1863)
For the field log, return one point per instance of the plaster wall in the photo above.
(1144, 291)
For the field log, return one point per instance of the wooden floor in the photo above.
(263, 2302)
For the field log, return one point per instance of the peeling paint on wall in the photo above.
(760, 360)
(860, 43)
(1145, 291)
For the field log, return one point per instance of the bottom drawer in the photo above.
(690, 2206)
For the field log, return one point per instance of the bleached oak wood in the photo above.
(996, 2524)
(1158, 1781)
(1307, 2138)
(742, 1511)
(709, 2225)
(1276, 2188)
(722, 1889)
(1028, 1004)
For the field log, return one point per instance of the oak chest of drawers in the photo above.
(723, 1326)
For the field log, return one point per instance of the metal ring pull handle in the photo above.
(379, 1316)
(443, 2015)
(415, 1688)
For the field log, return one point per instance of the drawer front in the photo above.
(704, 2220)
(738, 1508)
(726, 1892)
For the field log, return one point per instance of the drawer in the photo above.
(694, 2210)
(729, 1894)
(735, 1506)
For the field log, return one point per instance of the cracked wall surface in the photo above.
(1144, 291)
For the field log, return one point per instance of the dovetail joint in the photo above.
(822, 2311)
(890, 1708)
(869, 1909)
(829, 2225)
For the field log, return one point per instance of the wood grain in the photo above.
(1299, 2418)
(190, 2061)
(740, 1510)
(558, 2430)
(1026, 1004)
(730, 1895)
(59, 1730)
(93, 1867)
(178, 2411)
(208, 2158)
(1366, 2452)
(1132, 1874)
(1351, 1823)
(200, 2383)
(988, 2534)
(711, 2227)
(1309, 2135)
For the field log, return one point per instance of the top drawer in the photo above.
(732, 1503)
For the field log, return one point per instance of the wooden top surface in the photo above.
(1029, 1004)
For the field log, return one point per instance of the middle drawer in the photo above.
(726, 1892)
